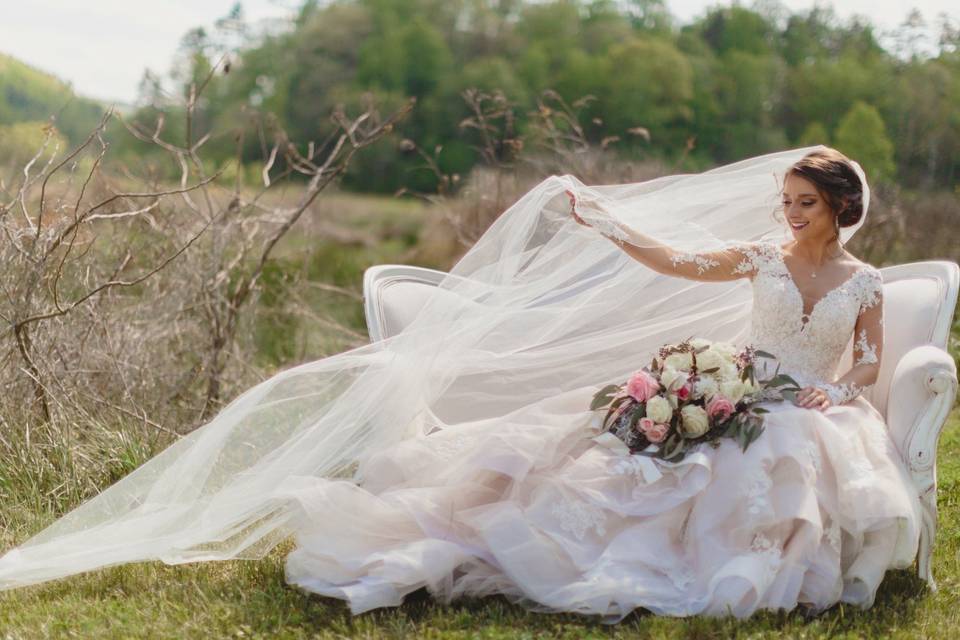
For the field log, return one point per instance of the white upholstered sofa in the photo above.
(915, 391)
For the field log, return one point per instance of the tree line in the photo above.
(734, 82)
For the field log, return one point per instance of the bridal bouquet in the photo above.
(692, 392)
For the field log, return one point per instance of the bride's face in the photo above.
(807, 212)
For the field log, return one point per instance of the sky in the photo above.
(76, 41)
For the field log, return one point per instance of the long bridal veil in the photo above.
(538, 306)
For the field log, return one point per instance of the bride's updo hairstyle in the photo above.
(836, 181)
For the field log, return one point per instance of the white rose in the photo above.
(678, 361)
(696, 343)
(669, 375)
(659, 409)
(726, 349)
(728, 372)
(694, 421)
(710, 359)
(733, 389)
(706, 386)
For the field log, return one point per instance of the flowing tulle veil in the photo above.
(539, 305)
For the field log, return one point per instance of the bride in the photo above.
(458, 455)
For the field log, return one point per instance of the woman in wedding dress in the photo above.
(814, 512)
(459, 454)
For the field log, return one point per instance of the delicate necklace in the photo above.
(813, 274)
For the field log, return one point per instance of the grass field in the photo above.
(249, 599)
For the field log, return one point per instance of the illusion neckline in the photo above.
(793, 282)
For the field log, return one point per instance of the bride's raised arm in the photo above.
(734, 261)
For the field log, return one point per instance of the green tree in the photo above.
(815, 133)
(22, 140)
(320, 60)
(730, 28)
(28, 94)
(862, 136)
(807, 37)
(426, 57)
(555, 26)
(603, 26)
(739, 81)
(925, 122)
(649, 84)
(825, 89)
(749, 90)
(651, 16)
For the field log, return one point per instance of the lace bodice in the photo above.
(808, 347)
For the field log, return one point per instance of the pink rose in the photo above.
(719, 407)
(684, 392)
(656, 432)
(642, 386)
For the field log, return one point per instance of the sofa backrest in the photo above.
(394, 294)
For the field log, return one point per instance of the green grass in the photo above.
(250, 599)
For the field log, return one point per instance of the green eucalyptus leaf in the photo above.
(603, 396)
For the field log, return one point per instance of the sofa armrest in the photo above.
(922, 391)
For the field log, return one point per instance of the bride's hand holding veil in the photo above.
(573, 209)
(736, 260)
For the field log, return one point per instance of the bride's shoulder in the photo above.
(864, 267)
(869, 287)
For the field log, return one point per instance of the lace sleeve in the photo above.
(735, 260)
(868, 342)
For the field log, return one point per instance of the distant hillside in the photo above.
(29, 94)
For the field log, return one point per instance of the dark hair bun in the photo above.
(852, 211)
(835, 178)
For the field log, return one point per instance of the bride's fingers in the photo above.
(571, 198)
(573, 213)
(818, 400)
(809, 397)
(573, 209)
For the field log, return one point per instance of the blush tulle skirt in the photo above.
(527, 505)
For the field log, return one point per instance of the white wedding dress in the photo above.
(529, 506)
